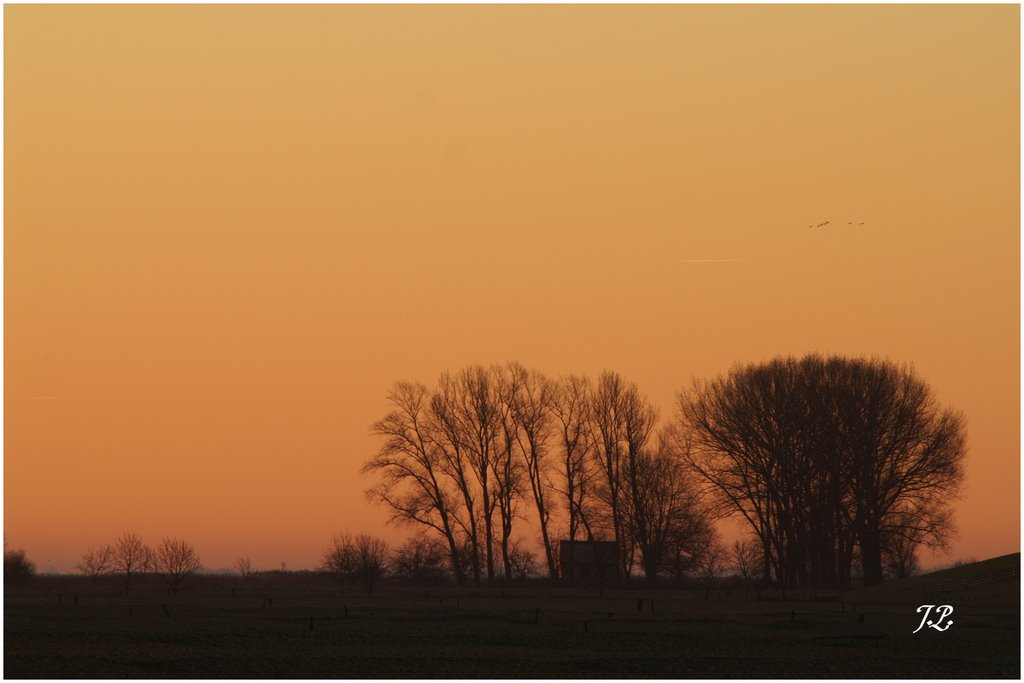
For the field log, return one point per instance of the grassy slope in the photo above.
(993, 583)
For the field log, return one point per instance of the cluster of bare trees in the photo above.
(830, 461)
(173, 560)
(361, 558)
(465, 458)
(423, 559)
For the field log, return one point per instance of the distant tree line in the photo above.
(173, 560)
(831, 462)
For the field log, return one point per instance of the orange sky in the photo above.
(228, 230)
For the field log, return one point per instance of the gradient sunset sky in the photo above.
(229, 229)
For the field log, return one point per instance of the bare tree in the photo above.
(96, 561)
(818, 455)
(905, 532)
(747, 559)
(363, 558)
(606, 411)
(244, 566)
(339, 558)
(131, 556)
(662, 510)
(530, 400)
(524, 561)
(457, 465)
(472, 419)
(712, 563)
(906, 454)
(507, 464)
(416, 469)
(175, 560)
(638, 420)
(17, 567)
(421, 558)
(570, 407)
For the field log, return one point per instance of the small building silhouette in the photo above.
(585, 561)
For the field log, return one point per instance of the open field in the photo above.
(303, 626)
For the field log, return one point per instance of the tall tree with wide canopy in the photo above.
(819, 455)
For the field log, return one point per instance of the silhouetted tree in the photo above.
(339, 558)
(475, 406)
(606, 408)
(906, 459)
(360, 558)
(416, 468)
(531, 402)
(508, 461)
(747, 559)
(420, 558)
(459, 463)
(711, 563)
(174, 560)
(131, 556)
(662, 510)
(17, 568)
(820, 454)
(524, 561)
(244, 566)
(901, 538)
(646, 493)
(97, 561)
(570, 408)
(693, 535)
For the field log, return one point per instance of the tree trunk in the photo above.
(871, 557)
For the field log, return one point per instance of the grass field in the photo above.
(304, 627)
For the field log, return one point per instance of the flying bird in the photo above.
(824, 223)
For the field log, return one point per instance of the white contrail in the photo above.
(724, 260)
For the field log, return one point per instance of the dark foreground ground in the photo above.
(222, 627)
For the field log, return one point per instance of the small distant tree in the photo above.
(359, 558)
(523, 562)
(899, 556)
(97, 561)
(747, 559)
(244, 566)
(17, 568)
(339, 558)
(175, 560)
(711, 564)
(131, 556)
(421, 558)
